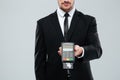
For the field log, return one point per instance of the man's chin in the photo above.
(66, 9)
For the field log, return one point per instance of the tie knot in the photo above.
(66, 15)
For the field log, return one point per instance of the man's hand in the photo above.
(77, 50)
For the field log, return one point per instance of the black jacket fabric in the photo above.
(83, 32)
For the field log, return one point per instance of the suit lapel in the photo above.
(73, 25)
(76, 21)
(57, 27)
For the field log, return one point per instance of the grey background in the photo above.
(17, 35)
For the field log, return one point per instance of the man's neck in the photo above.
(61, 12)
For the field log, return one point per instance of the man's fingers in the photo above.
(78, 50)
(60, 51)
(76, 47)
(60, 48)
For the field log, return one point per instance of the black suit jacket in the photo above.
(83, 32)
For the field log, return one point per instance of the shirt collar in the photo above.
(61, 12)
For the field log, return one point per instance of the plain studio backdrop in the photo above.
(17, 36)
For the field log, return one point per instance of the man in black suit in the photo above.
(82, 31)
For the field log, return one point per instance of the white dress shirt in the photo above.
(61, 17)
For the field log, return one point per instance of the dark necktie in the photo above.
(66, 26)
